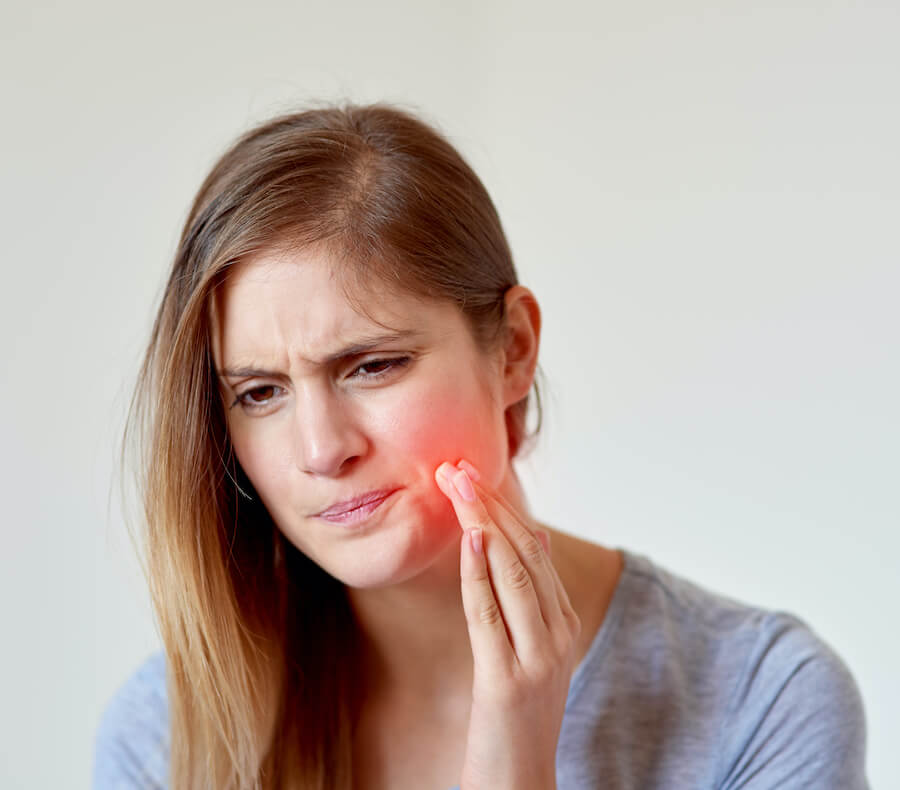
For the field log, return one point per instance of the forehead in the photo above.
(280, 305)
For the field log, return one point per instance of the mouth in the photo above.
(358, 511)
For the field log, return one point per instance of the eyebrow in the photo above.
(362, 346)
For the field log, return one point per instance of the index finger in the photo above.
(508, 515)
(491, 493)
(521, 543)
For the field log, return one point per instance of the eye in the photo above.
(256, 398)
(397, 362)
(260, 398)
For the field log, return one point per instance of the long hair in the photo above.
(260, 642)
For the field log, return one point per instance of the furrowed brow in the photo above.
(363, 346)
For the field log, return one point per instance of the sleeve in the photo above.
(131, 740)
(796, 718)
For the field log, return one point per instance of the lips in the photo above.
(352, 504)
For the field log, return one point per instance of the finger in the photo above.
(544, 538)
(562, 597)
(491, 646)
(541, 534)
(497, 505)
(492, 649)
(529, 547)
(462, 463)
(495, 500)
(527, 543)
(513, 585)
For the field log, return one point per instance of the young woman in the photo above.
(350, 588)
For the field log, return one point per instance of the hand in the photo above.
(523, 632)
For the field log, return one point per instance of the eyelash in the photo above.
(397, 362)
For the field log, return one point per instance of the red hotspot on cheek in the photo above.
(449, 435)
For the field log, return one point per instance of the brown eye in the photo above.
(381, 367)
(260, 394)
(380, 364)
(256, 398)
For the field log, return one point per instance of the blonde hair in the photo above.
(259, 640)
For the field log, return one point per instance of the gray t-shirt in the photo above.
(681, 689)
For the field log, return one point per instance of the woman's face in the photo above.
(311, 428)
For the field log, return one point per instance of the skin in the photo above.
(480, 645)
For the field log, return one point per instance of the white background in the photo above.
(704, 197)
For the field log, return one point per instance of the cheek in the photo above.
(446, 424)
(263, 451)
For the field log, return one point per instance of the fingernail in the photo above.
(445, 470)
(473, 472)
(461, 481)
(475, 537)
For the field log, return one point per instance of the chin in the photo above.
(374, 577)
(390, 564)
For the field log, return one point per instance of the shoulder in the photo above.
(795, 714)
(787, 707)
(132, 738)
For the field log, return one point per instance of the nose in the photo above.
(327, 437)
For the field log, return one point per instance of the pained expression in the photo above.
(311, 432)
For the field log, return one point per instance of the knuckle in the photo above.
(540, 671)
(488, 612)
(516, 576)
(533, 550)
(483, 520)
(564, 645)
(574, 622)
(479, 575)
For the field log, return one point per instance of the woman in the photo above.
(350, 588)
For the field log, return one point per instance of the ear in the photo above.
(523, 337)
